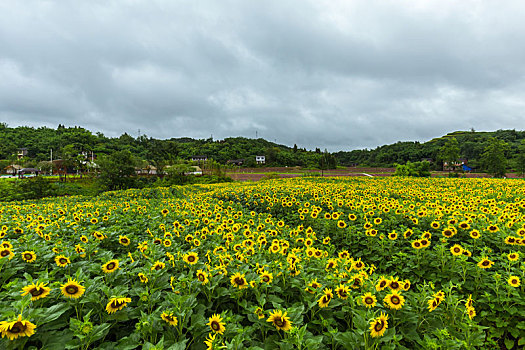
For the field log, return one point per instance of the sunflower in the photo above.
(342, 291)
(341, 224)
(392, 235)
(29, 256)
(202, 276)
(511, 256)
(394, 300)
(17, 328)
(382, 283)
(143, 277)
(209, 341)
(216, 324)
(514, 281)
(111, 266)
(37, 291)
(417, 244)
(159, 265)
(62, 261)
(259, 312)
(124, 240)
(325, 299)
(169, 318)
(266, 277)
(116, 304)
(369, 300)
(456, 250)
(280, 320)
(394, 284)
(379, 325)
(485, 263)
(72, 289)
(492, 228)
(433, 304)
(191, 258)
(238, 281)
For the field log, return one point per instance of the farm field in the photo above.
(298, 263)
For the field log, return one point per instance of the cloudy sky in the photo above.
(335, 74)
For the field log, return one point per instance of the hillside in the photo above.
(472, 145)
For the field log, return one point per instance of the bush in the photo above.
(416, 169)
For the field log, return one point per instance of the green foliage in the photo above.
(416, 169)
(449, 153)
(117, 171)
(494, 159)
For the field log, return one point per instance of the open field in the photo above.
(308, 263)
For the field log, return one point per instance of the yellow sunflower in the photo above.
(456, 250)
(124, 240)
(169, 318)
(116, 304)
(111, 266)
(202, 276)
(37, 291)
(280, 320)
(29, 256)
(191, 258)
(514, 281)
(159, 265)
(216, 324)
(342, 291)
(379, 325)
(238, 281)
(143, 277)
(17, 328)
(62, 261)
(266, 277)
(369, 300)
(485, 263)
(394, 300)
(325, 299)
(72, 289)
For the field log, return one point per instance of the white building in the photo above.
(260, 159)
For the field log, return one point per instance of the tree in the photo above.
(117, 171)
(449, 153)
(520, 160)
(494, 159)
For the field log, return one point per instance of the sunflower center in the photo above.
(395, 300)
(110, 266)
(266, 279)
(394, 285)
(379, 326)
(215, 326)
(239, 281)
(4, 253)
(17, 328)
(278, 321)
(36, 292)
(115, 304)
(201, 278)
(28, 256)
(71, 289)
(369, 301)
(191, 258)
(485, 263)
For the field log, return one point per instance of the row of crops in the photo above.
(303, 263)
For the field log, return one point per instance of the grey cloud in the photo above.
(329, 74)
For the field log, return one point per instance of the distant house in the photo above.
(12, 169)
(459, 163)
(199, 158)
(238, 162)
(22, 152)
(260, 159)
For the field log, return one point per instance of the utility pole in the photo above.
(51, 161)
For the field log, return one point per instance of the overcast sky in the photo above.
(331, 74)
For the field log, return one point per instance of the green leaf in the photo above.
(509, 343)
(53, 313)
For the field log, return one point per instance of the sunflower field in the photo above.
(302, 263)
